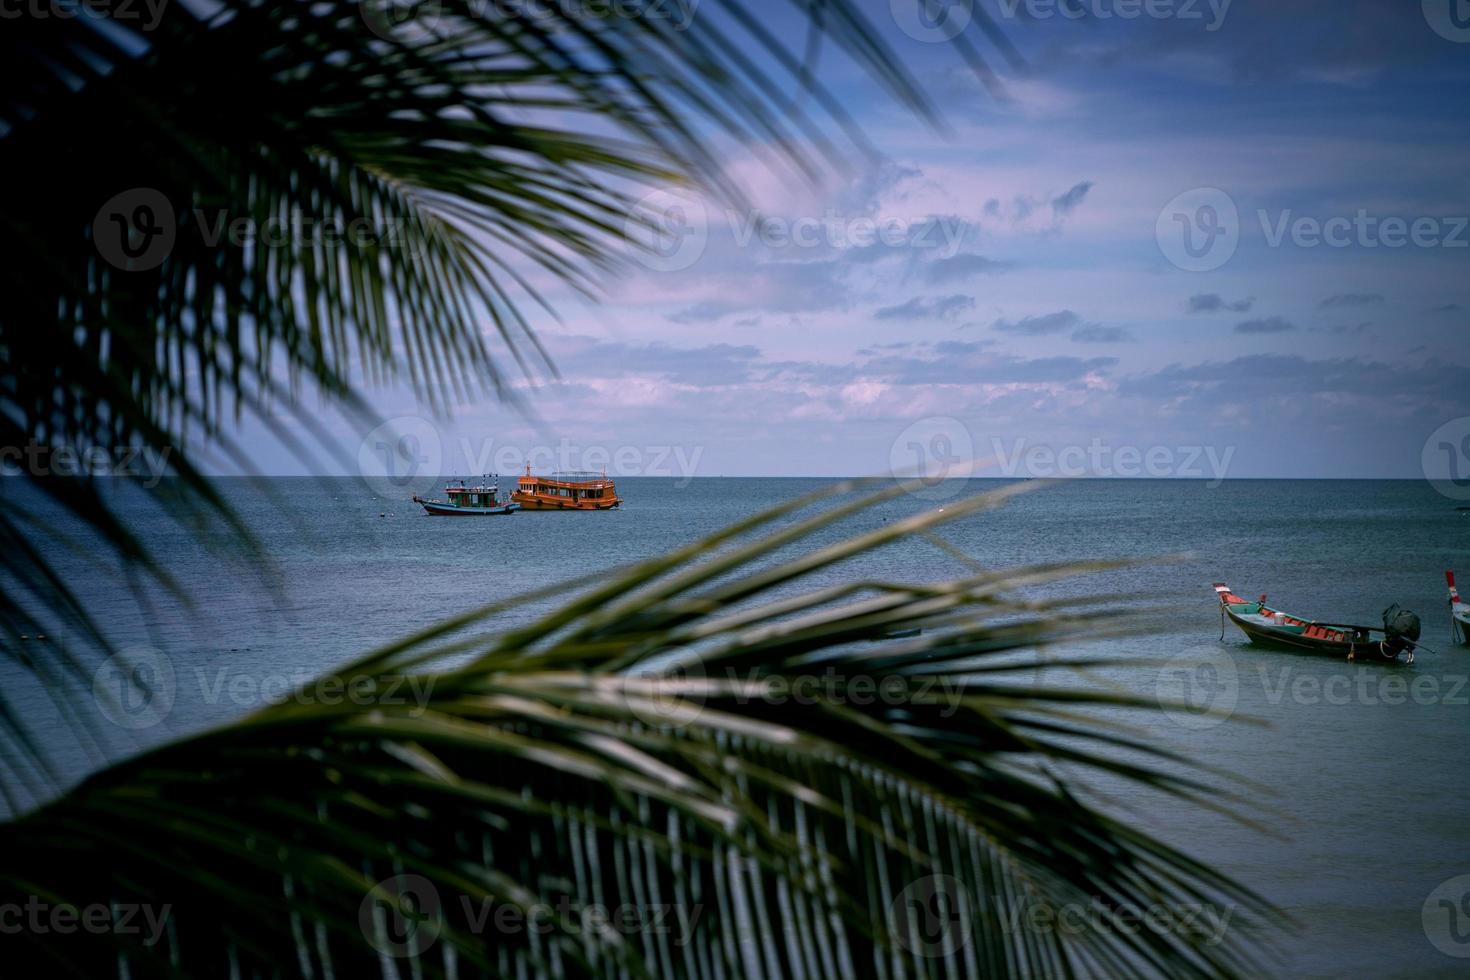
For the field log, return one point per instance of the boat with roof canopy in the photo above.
(481, 500)
(566, 491)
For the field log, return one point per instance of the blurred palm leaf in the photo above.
(461, 151)
(643, 748)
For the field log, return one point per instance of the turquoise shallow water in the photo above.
(1359, 778)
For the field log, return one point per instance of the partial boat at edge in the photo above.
(1459, 613)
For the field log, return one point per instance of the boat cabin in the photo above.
(566, 491)
(483, 495)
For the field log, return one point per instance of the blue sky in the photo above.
(1022, 278)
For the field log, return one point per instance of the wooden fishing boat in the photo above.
(482, 500)
(1459, 613)
(1268, 626)
(566, 491)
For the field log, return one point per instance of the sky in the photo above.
(1209, 239)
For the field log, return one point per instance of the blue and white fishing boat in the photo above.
(463, 500)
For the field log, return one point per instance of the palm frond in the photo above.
(715, 741)
(245, 202)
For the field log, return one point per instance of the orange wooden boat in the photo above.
(565, 491)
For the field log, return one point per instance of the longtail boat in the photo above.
(566, 491)
(481, 500)
(1267, 626)
(1459, 613)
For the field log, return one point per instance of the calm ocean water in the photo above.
(1359, 780)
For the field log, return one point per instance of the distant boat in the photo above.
(1267, 626)
(1459, 613)
(482, 500)
(566, 491)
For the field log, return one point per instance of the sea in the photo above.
(1352, 777)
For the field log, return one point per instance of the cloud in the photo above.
(1348, 329)
(963, 266)
(1255, 379)
(1065, 204)
(1270, 324)
(1039, 326)
(581, 357)
(1339, 300)
(1212, 303)
(1096, 333)
(955, 363)
(918, 308)
(705, 311)
(1447, 308)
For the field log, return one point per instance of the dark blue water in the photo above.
(1359, 780)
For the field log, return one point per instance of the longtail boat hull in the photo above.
(1459, 613)
(435, 509)
(1268, 627)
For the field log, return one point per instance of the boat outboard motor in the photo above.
(1401, 630)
